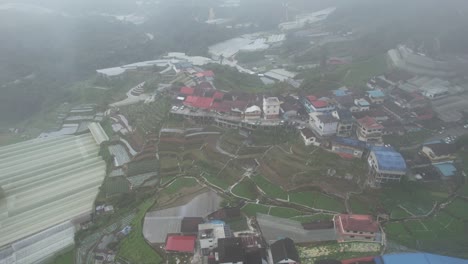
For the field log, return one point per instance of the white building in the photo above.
(253, 112)
(209, 233)
(271, 107)
(323, 124)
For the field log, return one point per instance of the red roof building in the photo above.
(199, 102)
(369, 123)
(182, 244)
(187, 90)
(209, 74)
(351, 227)
(319, 103)
(218, 95)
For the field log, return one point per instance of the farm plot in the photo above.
(317, 200)
(180, 184)
(253, 209)
(245, 188)
(338, 251)
(134, 247)
(269, 188)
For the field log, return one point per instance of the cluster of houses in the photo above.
(349, 123)
(212, 241)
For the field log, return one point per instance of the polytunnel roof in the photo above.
(47, 182)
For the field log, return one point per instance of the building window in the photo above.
(351, 236)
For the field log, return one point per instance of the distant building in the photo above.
(376, 96)
(230, 251)
(180, 244)
(406, 59)
(368, 130)
(417, 258)
(446, 170)
(226, 213)
(189, 225)
(312, 104)
(345, 123)
(308, 137)
(323, 124)
(284, 252)
(385, 165)
(436, 92)
(439, 151)
(253, 112)
(348, 147)
(360, 105)
(271, 107)
(210, 233)
(351, 227)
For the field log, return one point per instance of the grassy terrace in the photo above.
(418, 199)
(269, 188)
(64, 258)
(253, 209)
(311, 218)
(218, 181)
(245, 188)
(180, 184)
(317, 200)
(283, 212)
(134, 248)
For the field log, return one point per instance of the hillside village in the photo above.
(217, 160)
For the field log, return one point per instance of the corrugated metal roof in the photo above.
(389, 160)
(421, 258)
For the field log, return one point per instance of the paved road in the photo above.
(456, 131)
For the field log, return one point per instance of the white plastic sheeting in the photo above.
(47, 182)
(40, 246)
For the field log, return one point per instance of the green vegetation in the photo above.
(458, 209)
(439, 234)
(181, 183)
(317, 200)
(7, 139)
(358, 73)
(142, 166)
(248, 57)
(253, 209)
(238, 224)
(269, 188)
(284, 212)
(272, 137)
(245, 188)
(217, 180)
(312, 218)
(417, 198)
(134, 248)
(64, 258)
(358, 206)
(229, 79)
(409, 139)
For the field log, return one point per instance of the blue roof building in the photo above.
(376, 96)
(446, 170)
(386, 165)
(418, 258)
